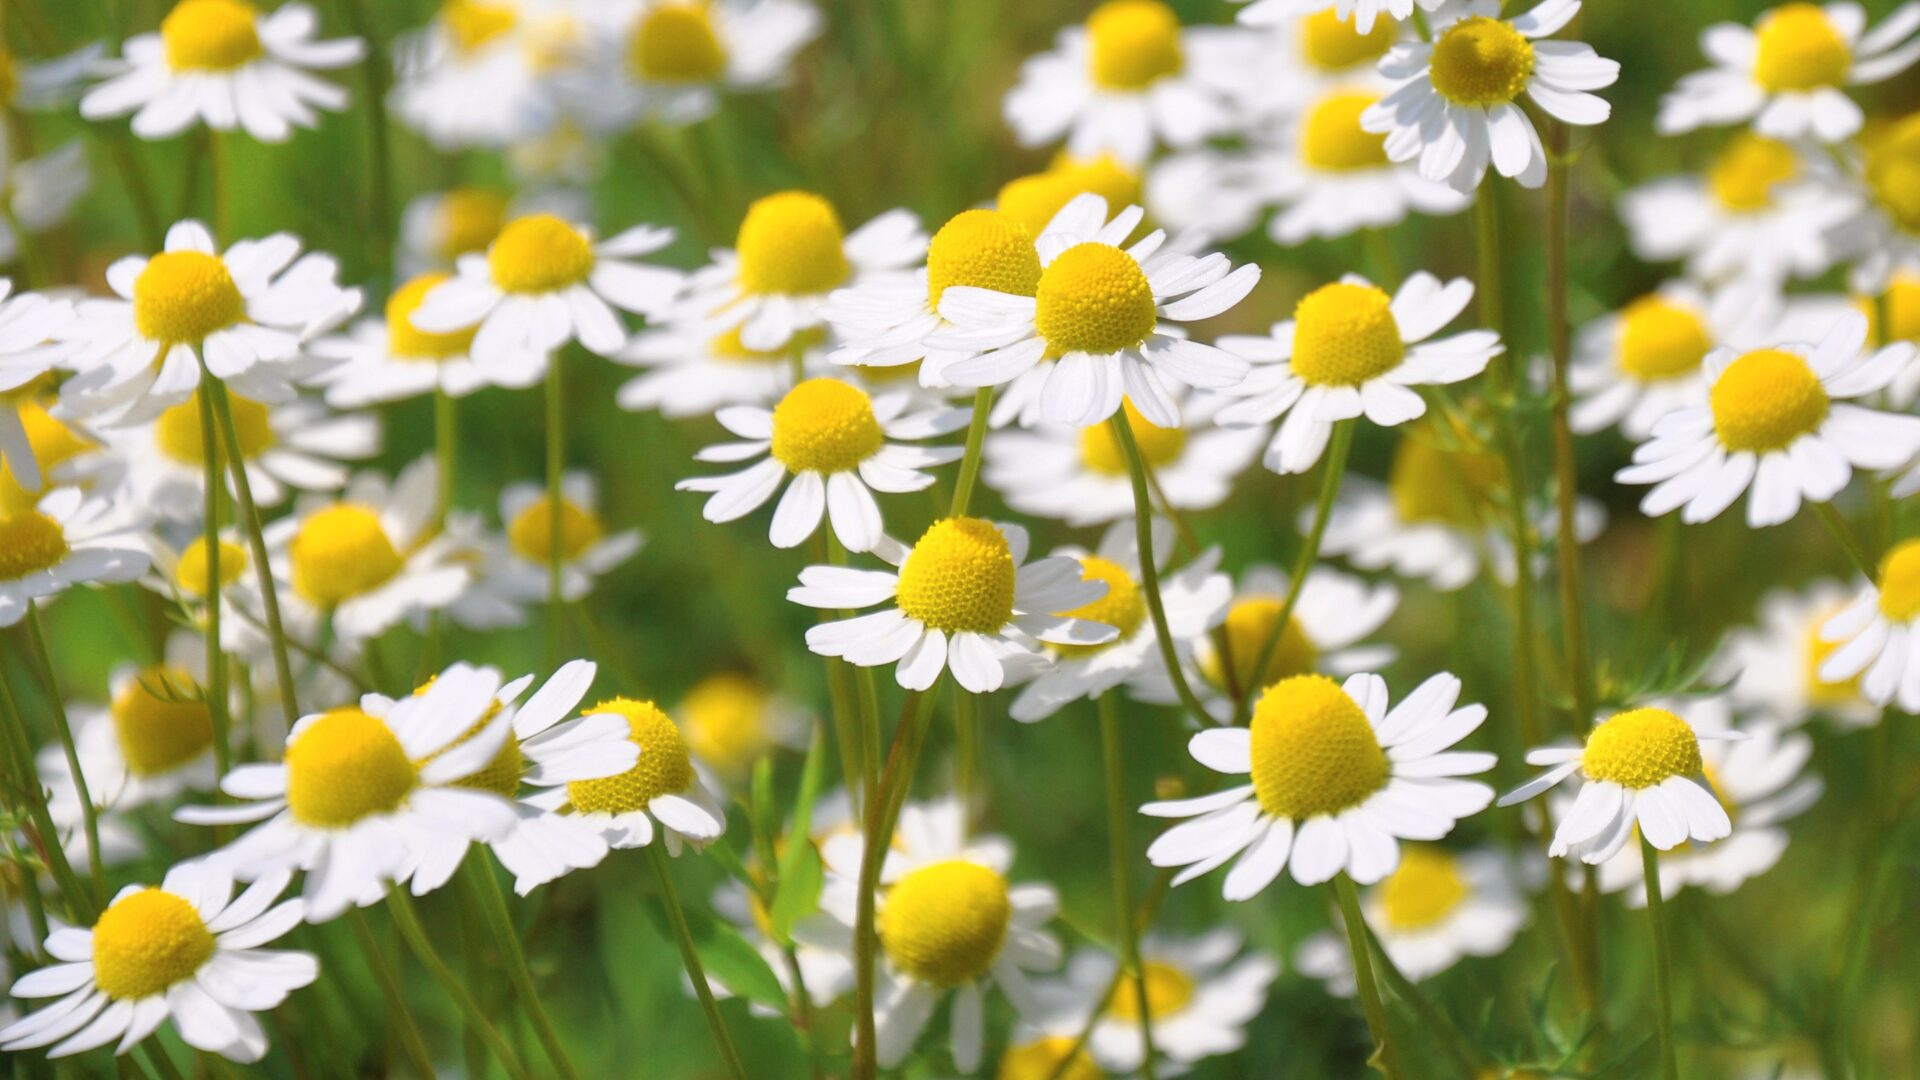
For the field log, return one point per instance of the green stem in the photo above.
(966, 750)
(970, 462)
(1662, 960)
(20, 749)
(404, 919)
(657, 856)
(411, 1044)
(446, 419)
(1120, 854)
(1573, 623)
(1143, 917)
(257, 541)
(88, 815)
(556, 540)
(1370, 1004)
(217, 696)
(155, 1057)
(1149, 572)
(379, 141)
(1849, 543)
(493, 907)
(1465, 1055)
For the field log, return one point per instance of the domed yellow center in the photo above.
(1481, 61)
(146, 942)
(539, 253)
(825, 426)
(791, 243)
(161, 720)
(191, 572)
(182, 296)
(1900, 581)
(406, 341)
(1796, 47)
(1331, 138)
(340, 552)
(724, 720)
(1640, 748)
(677, 43)
(177, 431)
(1893, 173)
(346, 766)
(1331, 43)
(1032, 201)
(663, 769)
(959, 577)
(469, 219)
(210, 35)
(1424, 890)
(985, 249)
(944, 923)
(1124, 607)
(1132, 43)
(1660, 339)
(1100, 451)
(1093, 298)
(1433, 483)
(530, 533)
(1248, 625)
(1345, 334)
(30, 542)
(1047, 1058)
(1765, 400)
(1313, 750)
(1168, 991)
(1746, 171)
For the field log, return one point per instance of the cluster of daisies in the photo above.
(192, 441)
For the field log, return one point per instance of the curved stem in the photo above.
(1120, 854)
(1573, 624)
(1662, 960)
(556, 539)
(89, 816)
(493, 908)
(970, 462)
(1370, 1003)
(401, 907)
(1856, 552)
(79, 905)
(691, 957)
(1149, 572)
(217, 699)
(257, 540)
(411, 1043)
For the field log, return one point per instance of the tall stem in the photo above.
(446, 419)
(556, 540)
(1370, 1003)
(257, 541)
(970, 462)
(411, 1044)
(1662, 960)
(404, 919)
(1849, 543)
(657, 856)
(20, 750)
(89, 817)
(379, 141)
(493, 908)
(1149, 572)
(1573, 622)
(1120, 854)
(217, 696)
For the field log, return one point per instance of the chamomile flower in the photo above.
(152, 741)
(1458, 109)
(1362, 13)
(673, 60)
(388, 358)
(64, 540)
(694, 367)
(1875, 636)
(440, 226)
(950, 924)
(1048, 1050)
(1326, 48)
(730, 721)
(542, 283)
(1331, 620)
(663, 790)
(28, 351)
(243, 314)
(1777, 420)
(1641, 767)
(1774, 668)
(1786, 73)
(1129, 79)
(366, 793)
(1883, 231)
(964, 597)
(588, 552)
(1201, 993)
(1033, 200)
(1437, 907)
(225, 64)
(1637, 364)
(790, 255)
(839, 444)
(1099, 318)
(1338, 781)
(486, 72)
(1194, 597)
(186, 950)
(1345, 354)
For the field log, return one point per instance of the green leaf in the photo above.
(799, 893)
(734, 962)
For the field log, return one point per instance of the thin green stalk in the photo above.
(411, 1044)
(493, 907)
(1370, 1004)
(156, 1059)
(153, 231)
(1142, 917)
(404, 919)
(1465, 1055)
(89, 816)
(556, 540)
(20, 751)
(1856, 552)
(970, 462)
(1573, 623)
(1120, 854)
(446, 419)
(257, 541)
(1149, 573)
(379, 140)
(1662, 960)
(966, 749)
(657, 856)
(217, 696)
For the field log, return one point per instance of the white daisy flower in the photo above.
(1338, 781)
(790, 255)
(66, 539)
(663, 789)
(1875, 637)
(1883, 231)
(1777, 420)
(152, 741)
(495, 596)
(244, 314)
(1786, 73)
(1639, 767)
(29, 323)
(1098, 318)
(1458, 110)
(1194, 597)
(486, 72)
(588, 553)
(224, 64)
(694, 367)
(1327, 48)
(1201, 993)
(1345, 354)
(730, 721)
(1635, 365)
(1362, 13)
(186, 951)
(368, 559)
(383, 359)
(964, 596)
(1774, 668)
(41, 193)
(949, 923)
(440, 226)
(542, 283)
(366, 793)
(839, 445)
(673, 60)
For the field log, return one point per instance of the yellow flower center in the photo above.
(825, 426)
(473, 23)
(53, 442)
(1042, 1059)
(1331, 43)
(1344, 335)
(1168, 991)
(1765, 400)
(530, 533)
(1124, 607)
(1033, 200)
(985, 249)
(1640, 748)
(791, 243)
(470, 219)
(146, 942)
(724, 720)
(1820, 692)
(1902, 300)
(1313, 750)
(1481, 61)
(1660, 339)
(209, 35)
(30, 542)
(1101, 452)
(1798, 48)
(162, 720)
(1900, 581)
(190, 573)
(1432, 483)
(677, 43)
(539, 253)
(959, 577)
(182, 296)
(1095, 299)
(177, 431)
(1893, 172)
(944, 923)
(1746, 171)
(406, 341)
(1332, 139)
(346, 766)
(1132, 43)
(501, 773)
(1248, 625)
(340, 552)
(663, 769)
(1425, 889)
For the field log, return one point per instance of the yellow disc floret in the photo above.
(1331, 138)
(1481, 61)
(1765, 400)
(1748, 169)
(1900, 581)
(1094, 298)
(1331, 43)
(1661, 339)
(1893, 172)
(944, 923)
(30, 542)
(340, 552)
(792, 243)
(724, 720)
(146, 942)
(959, 577)
(530, 533)
(210, 35)
(1034, 200)
(182, 296)
(1168, 991)
(1050, 1057)
(539, 253)
(1132, 43)
(473, 23)
(469, 220)
(1345, 334)
(1100, 451)
(663, 769)
(1640, 748)
(1796, 47)
(677, 43)
(1248, 625)
(406, 341)
(985, 249)
(161, 719)
(191, 572)
(346, 766)
(1425, 888)
(177, 431)
(825, 426)
(1124, 607)
(1313, 750)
